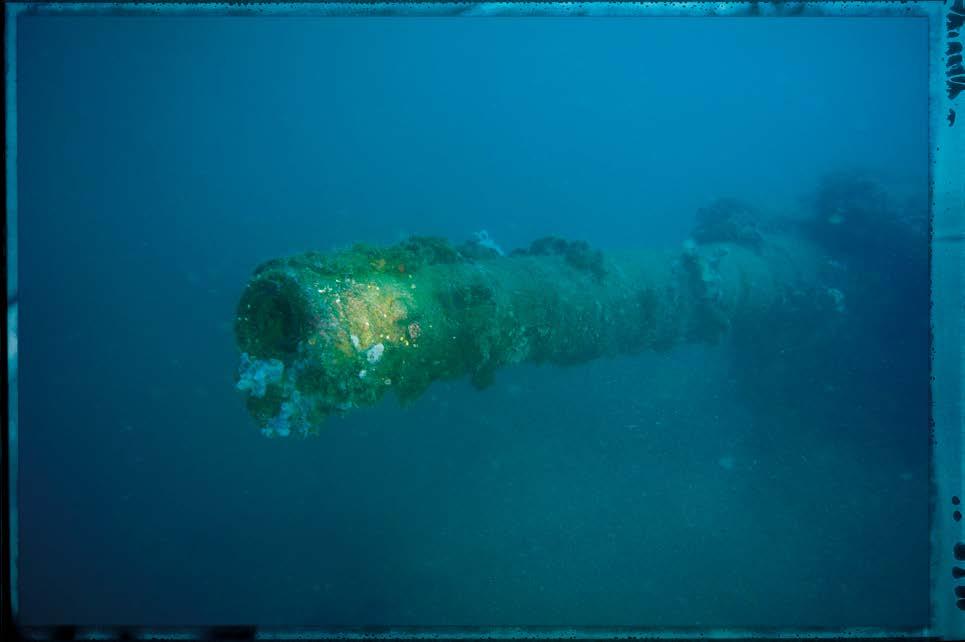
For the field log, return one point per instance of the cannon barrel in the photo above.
(324, 333)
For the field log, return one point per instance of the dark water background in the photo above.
(161, 159)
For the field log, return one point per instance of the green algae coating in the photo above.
(351, 326)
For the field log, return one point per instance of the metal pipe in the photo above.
(321, 334)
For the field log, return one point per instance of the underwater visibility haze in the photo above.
(652, 293)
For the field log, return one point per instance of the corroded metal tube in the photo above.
(321, 334)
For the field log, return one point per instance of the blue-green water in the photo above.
(162, 159)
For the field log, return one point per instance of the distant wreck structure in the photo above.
(325, 333)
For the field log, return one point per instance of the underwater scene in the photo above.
(473, 321)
